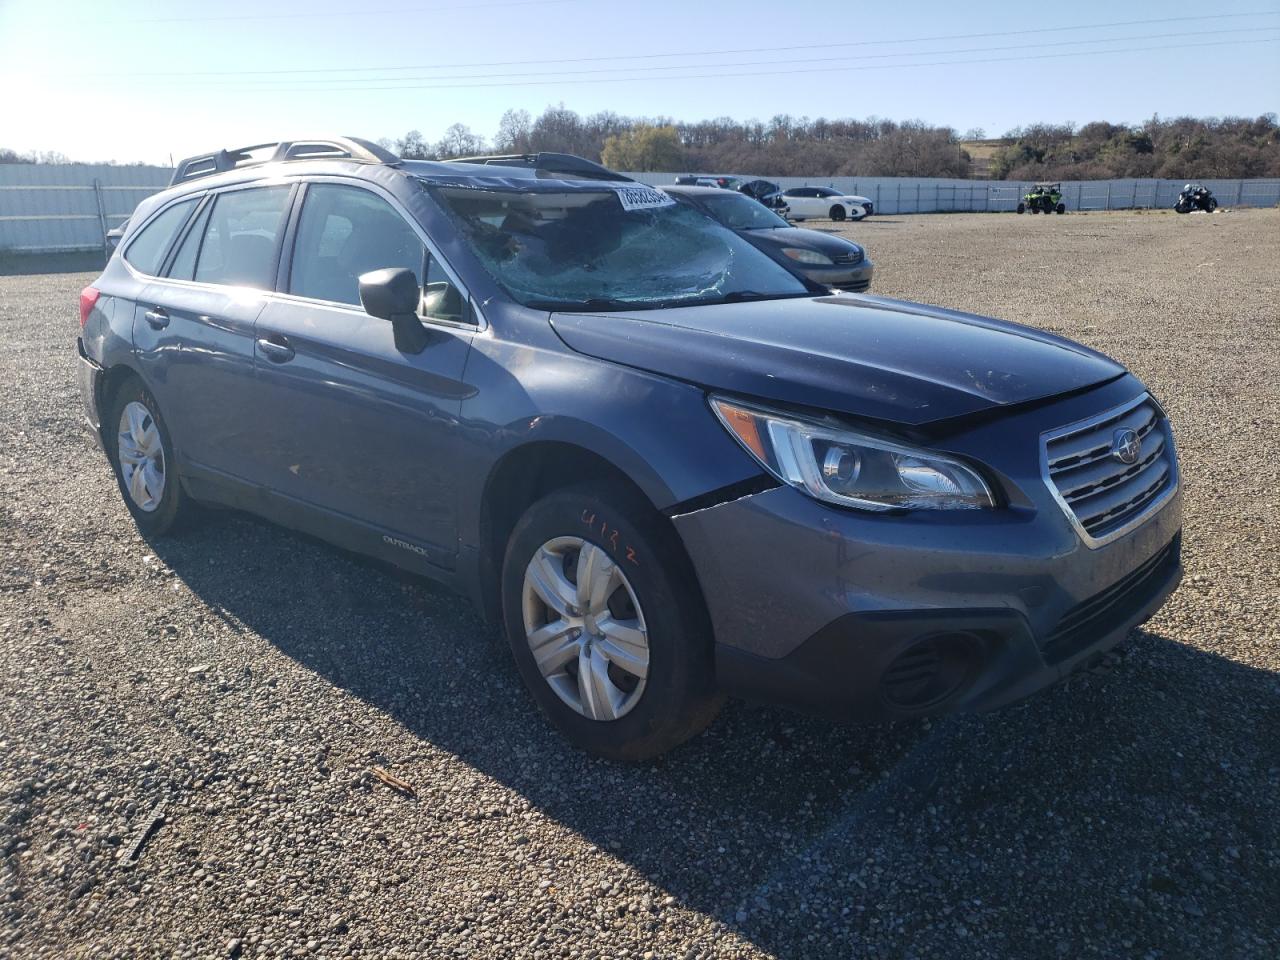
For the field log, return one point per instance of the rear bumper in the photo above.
(89, 379)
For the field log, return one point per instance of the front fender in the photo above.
(658, 432)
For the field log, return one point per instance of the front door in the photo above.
(350, 424)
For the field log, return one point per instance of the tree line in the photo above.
(1178, 148)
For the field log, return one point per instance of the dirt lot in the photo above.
(252, 678)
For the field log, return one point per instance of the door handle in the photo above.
(157, 318)
(275, 348)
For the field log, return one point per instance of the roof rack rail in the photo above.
(321, 148)
(551, 163)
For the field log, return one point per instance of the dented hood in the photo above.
(864, 356)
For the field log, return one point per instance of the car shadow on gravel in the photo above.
(1119, 810)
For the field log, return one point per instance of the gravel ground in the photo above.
(252, 678)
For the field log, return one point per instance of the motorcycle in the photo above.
(1195, 198)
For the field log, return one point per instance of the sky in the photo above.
(139, 80)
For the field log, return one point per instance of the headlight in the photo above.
(852, 469)
(812, 257)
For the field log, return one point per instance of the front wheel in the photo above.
(837, 212)
(1022, 208)
(1060, 208)
(142, 454)
(1181, 207)
(605, 630)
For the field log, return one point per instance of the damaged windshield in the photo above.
(610, 248)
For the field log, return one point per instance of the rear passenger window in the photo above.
(184, 262)
(146, 251)
(239, 239)
(344, 232)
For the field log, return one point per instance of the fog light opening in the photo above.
(931, 671)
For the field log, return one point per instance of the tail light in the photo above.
(88, 297)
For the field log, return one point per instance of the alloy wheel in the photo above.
(585, 628)
(141, 455)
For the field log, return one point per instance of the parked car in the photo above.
(722, 182)
(826, 260)
(816, 203)
(1195, 196)
(664, 466)
(766, 191)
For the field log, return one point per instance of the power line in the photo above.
(689, 53)
(268, 84)
(768, 73)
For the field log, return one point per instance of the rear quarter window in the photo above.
(146, 251)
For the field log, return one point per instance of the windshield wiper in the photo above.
(743, 296)
(592, 303)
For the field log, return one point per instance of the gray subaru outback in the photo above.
(667, 467)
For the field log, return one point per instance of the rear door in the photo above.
(194, 329)
(349, 424)
(802, 202)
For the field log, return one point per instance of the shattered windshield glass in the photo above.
(584, 249)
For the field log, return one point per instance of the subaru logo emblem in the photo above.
(1126, 445)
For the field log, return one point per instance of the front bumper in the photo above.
(841, 276)
(873, 616)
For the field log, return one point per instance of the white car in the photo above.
(823, 203)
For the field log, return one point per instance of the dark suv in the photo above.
(668, 468)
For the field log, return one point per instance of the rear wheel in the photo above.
(1060, 208)
(837, 212)
(142, 454)
(1211, 204)
(1022, 208)
(605, 632)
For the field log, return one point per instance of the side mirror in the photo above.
(393, 294)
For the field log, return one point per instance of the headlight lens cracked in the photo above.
(852, 469)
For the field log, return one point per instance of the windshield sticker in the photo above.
(636, 196)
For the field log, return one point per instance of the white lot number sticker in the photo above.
(639, 197)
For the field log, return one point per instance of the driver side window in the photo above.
(346, 231)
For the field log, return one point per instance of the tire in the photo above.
(1022, 208)
(657, 627)
(1060, 208)
(141, 453)
(837, 212)
(1211, 204)
(1182, 208)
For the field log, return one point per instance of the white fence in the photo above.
(50, 208)
(894, 195)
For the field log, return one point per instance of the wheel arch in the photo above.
(533, 470)
(113, 378)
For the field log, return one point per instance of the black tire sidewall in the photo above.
(165, 517)
(837, 213)
(679, 697)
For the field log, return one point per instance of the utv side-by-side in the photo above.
(1043, 198)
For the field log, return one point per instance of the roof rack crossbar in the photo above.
(320, 148)
(549, 162)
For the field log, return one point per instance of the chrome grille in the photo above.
(853, 257)
(1103, 496)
